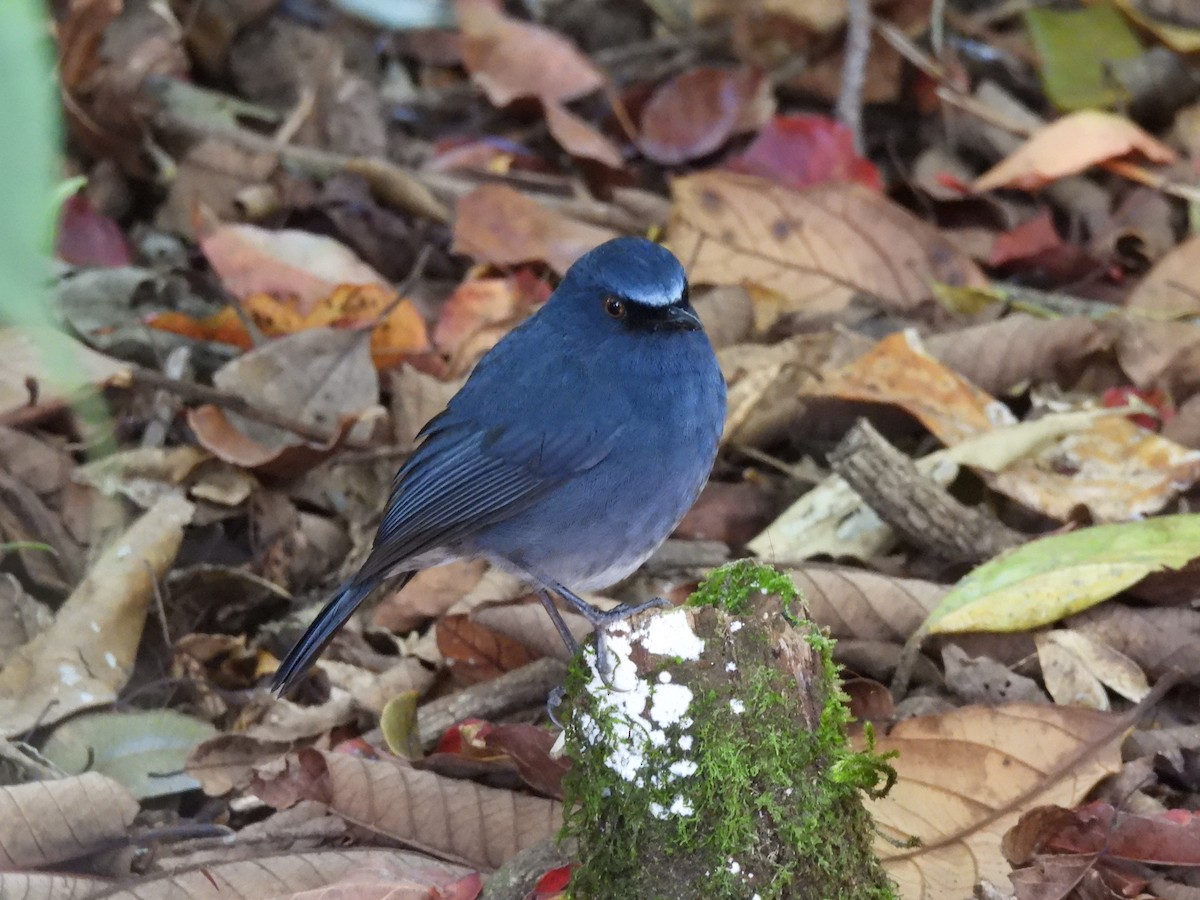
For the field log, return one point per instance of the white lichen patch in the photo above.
(731, 666)
(69, 675)
(111, 660)
(670, 634)
(737, 706)
(638, 712)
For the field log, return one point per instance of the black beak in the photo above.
(679, 318)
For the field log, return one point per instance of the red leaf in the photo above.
(1028, 240)
(802, 150)
(553, 884)
(87, 237)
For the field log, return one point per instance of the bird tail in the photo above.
(334, 615)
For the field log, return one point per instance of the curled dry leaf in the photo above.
(697, 111)
(812, 251)
(481, 826)
(498, 224)
(510, 59)
(965, 777)
(321, 378)
(87, 655)
(1074, 143)
(1159, 639)
(47, 822)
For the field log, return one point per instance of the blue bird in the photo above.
(570, 454)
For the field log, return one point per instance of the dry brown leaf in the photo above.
(480, 826)
(1169, 287)
(322, 378)
(430, 593)
(579, 138)
(475, 653)
(24, 618)
(697, 111)
(1115, 468)
(289, 875)
(510, 59)
(1074, 143)
(226, 761)
(812, 250)
(1159, 354)
(1020, 349)
(47, 822)
(528, 623)
(41, 886)
(1157, 639)
(87, 655)
(286, 263)
(52, 363)
(965, 778)
(854, 603)
(498, 224)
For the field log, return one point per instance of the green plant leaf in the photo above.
(1075, 48)
(145, 751)
(1052, 577)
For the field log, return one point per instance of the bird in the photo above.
(568, 456)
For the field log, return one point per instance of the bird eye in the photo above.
(615, 307)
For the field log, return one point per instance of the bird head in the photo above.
(630, 285)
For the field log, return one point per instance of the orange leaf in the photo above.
(1069, 146)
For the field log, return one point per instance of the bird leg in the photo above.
(599, 619)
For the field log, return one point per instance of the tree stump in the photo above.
(718, 766)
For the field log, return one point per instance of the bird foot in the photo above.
(601, 620)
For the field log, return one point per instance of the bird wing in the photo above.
(465, 476)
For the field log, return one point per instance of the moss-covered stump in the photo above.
(719, 766)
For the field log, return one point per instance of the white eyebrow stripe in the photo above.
(651, 297)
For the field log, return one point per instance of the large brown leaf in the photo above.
(966, 777)
(48, 822)
(458, 820)
(811, 250)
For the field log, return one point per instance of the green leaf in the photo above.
(145, 751)
(1052, 577)
(398, 722)
(29, 160)
(1076, 48)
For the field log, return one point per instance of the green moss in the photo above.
(732, 586)
(780, 802)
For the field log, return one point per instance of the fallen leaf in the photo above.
(47, 822)
(1093, 659)
(285, 263)
(1166, 289)
(579, 138)
(1053, 577)
(510, 59)
(964, 778)
(321, 378)
(38, 365)
(499, 225)
(700, 109)
(813, 250)
(1071, 145)
(1175, 34)
(86, 656)
(801, 150)
(475, 653)
(144, 750)
(482, 826)
(1076, 48)
(87, 237)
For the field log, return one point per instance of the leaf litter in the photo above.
(1008, 298)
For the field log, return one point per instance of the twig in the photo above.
(890, 483)
(189, 390)
(854, 70)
